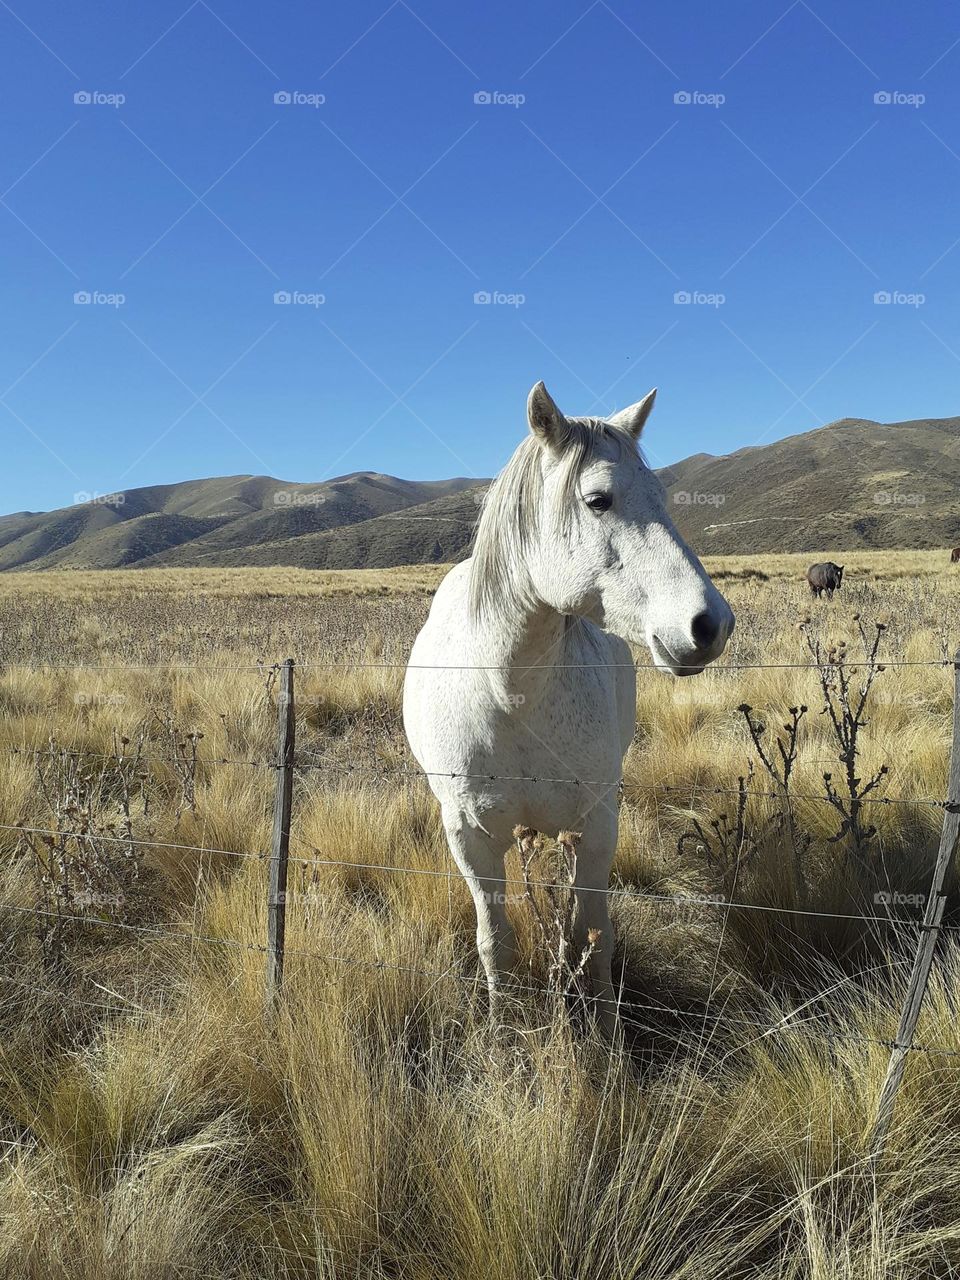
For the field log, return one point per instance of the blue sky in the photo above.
(583, 197)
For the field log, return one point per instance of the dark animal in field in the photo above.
(826, 577)
(955, 555)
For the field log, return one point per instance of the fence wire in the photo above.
(265, 668)
(692, 790)
(681, 902)
(786, 1024)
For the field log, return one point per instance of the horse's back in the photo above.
(448, 599)
(439, 660)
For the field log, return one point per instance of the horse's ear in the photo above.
(632, 420)
(546, 421)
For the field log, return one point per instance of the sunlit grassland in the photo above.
(155, 1123)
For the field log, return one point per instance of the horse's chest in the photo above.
(582, 722)
(571, 730)
(554, 763)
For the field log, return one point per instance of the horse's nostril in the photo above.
(705, 629)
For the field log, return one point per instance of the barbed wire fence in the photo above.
(285, 764)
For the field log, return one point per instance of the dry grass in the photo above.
(153, 1124)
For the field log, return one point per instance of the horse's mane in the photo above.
(512, 510)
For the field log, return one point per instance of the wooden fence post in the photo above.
(280, 841)
(929, 932)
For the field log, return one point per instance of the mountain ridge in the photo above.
(852, 483)
(214, 516)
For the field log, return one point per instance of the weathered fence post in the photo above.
(929, 932)
(280, 841)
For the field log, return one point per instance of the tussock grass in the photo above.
(153, 1122)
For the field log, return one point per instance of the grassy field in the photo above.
(154, 1124)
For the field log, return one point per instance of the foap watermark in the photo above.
(693, 693)
(100, 901)
(86, 498)
(697, 298)
(305, 898)
(96, 98)
(297, 98)
(897, 298)
(896, 98)
(695, 98)
(495, 98)
(692, 904)
(686, 498)
(893, 898)
(82, 699)
(297, 298)
(97, 298)
(293, 498)
(497, 298)
(893, 498)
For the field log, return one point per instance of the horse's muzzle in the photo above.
(687, 655)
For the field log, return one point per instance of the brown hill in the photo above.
(854, 484)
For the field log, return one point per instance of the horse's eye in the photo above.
(599, 501)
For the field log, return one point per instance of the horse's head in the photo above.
(605, 547)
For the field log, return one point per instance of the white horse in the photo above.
(520, 672)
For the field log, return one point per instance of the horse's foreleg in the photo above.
(482, 864)
(593, 937)
(592, 929)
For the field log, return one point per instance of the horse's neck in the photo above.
(525, 647)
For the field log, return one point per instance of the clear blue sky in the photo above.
(598, 198)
